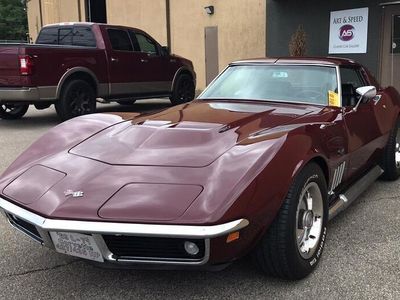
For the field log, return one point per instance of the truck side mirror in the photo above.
(166, 50)
(365, 92)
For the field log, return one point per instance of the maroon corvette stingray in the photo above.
(258, 164)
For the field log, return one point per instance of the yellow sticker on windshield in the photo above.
(333, 99)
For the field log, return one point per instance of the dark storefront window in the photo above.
(396, 35)
(96, 11)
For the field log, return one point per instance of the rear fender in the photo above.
(102, 90)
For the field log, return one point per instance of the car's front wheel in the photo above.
(391, 155)
(13, 111)
(293, 244)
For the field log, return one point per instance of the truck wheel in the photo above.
(126, 102)
(77, 98)
(184, 90)
(293, 244)
(42, 105)
(391, 155)
(13, 111)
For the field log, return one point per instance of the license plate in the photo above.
(76, 244)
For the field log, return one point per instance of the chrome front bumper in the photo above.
(41, 227)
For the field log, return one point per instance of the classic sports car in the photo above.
(258, 164)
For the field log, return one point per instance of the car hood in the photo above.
(191, 135)
(185, 165)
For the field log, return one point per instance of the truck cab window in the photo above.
(83, 36)
(48, 36)
(65, 36)
(146, 44)
(119, 40)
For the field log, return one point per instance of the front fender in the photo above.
(300, 146)
(267, 183)
(60, 138)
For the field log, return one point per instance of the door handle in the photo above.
(144, 60)
(114, 59)
(340, 151)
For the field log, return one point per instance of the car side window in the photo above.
(351, 81)
(146, 44)
(83, 36)
(120, 40)
(351, 76)
(48, 36)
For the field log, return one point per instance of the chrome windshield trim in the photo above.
(389, 3)
(151, 230)
(216, 99)
(240, 64)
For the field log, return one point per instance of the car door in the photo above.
(124, 64)
(363, 131)
(157, 66)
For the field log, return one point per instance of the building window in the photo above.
(96, 11)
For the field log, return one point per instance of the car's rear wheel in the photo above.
(293, 244)
(13, 111)
(391, 155)
(184, 90)
(77, 98)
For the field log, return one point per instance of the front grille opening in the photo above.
(25, 227)
(153, 247)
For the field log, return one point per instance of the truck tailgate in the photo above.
(9, 66)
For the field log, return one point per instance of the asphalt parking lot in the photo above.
(361, 259)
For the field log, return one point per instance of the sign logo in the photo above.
(346, 32)
(77, 194)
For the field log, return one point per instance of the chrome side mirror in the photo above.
(365, 92)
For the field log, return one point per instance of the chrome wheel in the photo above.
(397, 149)
(309, 220)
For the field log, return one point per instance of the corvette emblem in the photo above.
(77, 194)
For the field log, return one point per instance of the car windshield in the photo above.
(283, 83)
